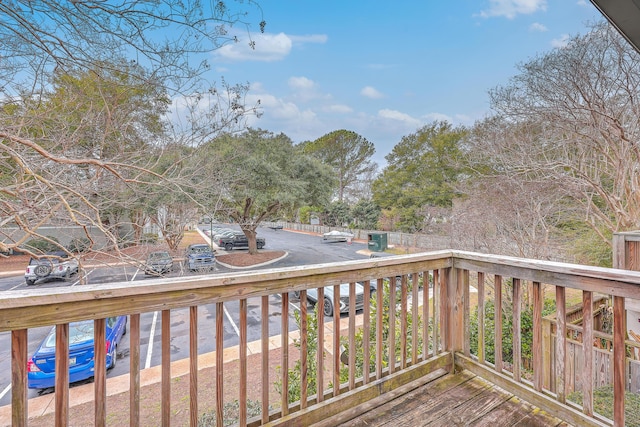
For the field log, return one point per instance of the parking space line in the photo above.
(147, 363)
(295, 307)
(235, 327)
(5, 391)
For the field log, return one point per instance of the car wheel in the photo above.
(296, 294)
(228, 247)
(328, 307)
(260, 245)
(30, 282)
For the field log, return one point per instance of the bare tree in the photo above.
(571, 121)
(74, 148)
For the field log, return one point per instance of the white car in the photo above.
(337, 236)
(53, 265)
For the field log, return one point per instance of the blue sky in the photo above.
(385, 68)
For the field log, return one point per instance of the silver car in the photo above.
(53, 265)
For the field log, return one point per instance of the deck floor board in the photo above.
(456, 400)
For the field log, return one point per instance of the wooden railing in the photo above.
(425, 334)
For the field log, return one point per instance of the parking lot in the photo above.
(302, 249)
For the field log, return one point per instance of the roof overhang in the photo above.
(625, 16)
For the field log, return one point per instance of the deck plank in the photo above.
(457, 400)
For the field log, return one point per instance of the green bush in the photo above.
(149, 239)
(526, 326)
(79, 245)
(43, 245)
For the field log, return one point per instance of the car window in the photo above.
(78, 332)
(199, 249)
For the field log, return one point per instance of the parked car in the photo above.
(312, 295)
(41, 372)
(158, 263)
(238, 240)
(53, 265)
(217, 235)
(199, 256)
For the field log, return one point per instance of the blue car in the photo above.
(41, 369)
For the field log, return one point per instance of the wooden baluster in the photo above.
(481, 346)
(336, 340)
(19, 344)
(193, 366)
(219, 363)
(415, 316)
(587, 351)
(619, 360)
(134, 370)
(517, 330)
(466, 323)
(304, 348)
(100, 371)
(320, 354)
(437, 295)
(379, 326)
(425, 314)
(352, 336)
(366, 331)
(403, 321)
(166, 368)
(284, 376)
(538, 373)
(497, 345)
(392, 325)
(243, 363)
(561, 340)
(62, 375)
(264, 341)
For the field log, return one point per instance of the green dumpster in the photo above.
(377, 242)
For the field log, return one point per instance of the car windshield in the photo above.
(157, 256)
(199, 249)
(45, 260)
(78, 332)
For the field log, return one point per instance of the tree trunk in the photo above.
(251, 234)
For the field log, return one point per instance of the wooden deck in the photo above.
(456, 400)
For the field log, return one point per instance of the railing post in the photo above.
(454, 315)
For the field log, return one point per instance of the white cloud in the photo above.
(266, 47)
(302, 83)
(538, 27)
(399, 116)
(510, 8)
(560, 42)
(371, 92)
(337, 108)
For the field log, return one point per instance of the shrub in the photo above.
(149, 239)
(43, 245)
(79, 245)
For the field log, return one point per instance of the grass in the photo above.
(603, 404)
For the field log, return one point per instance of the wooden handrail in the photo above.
(445, 326)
